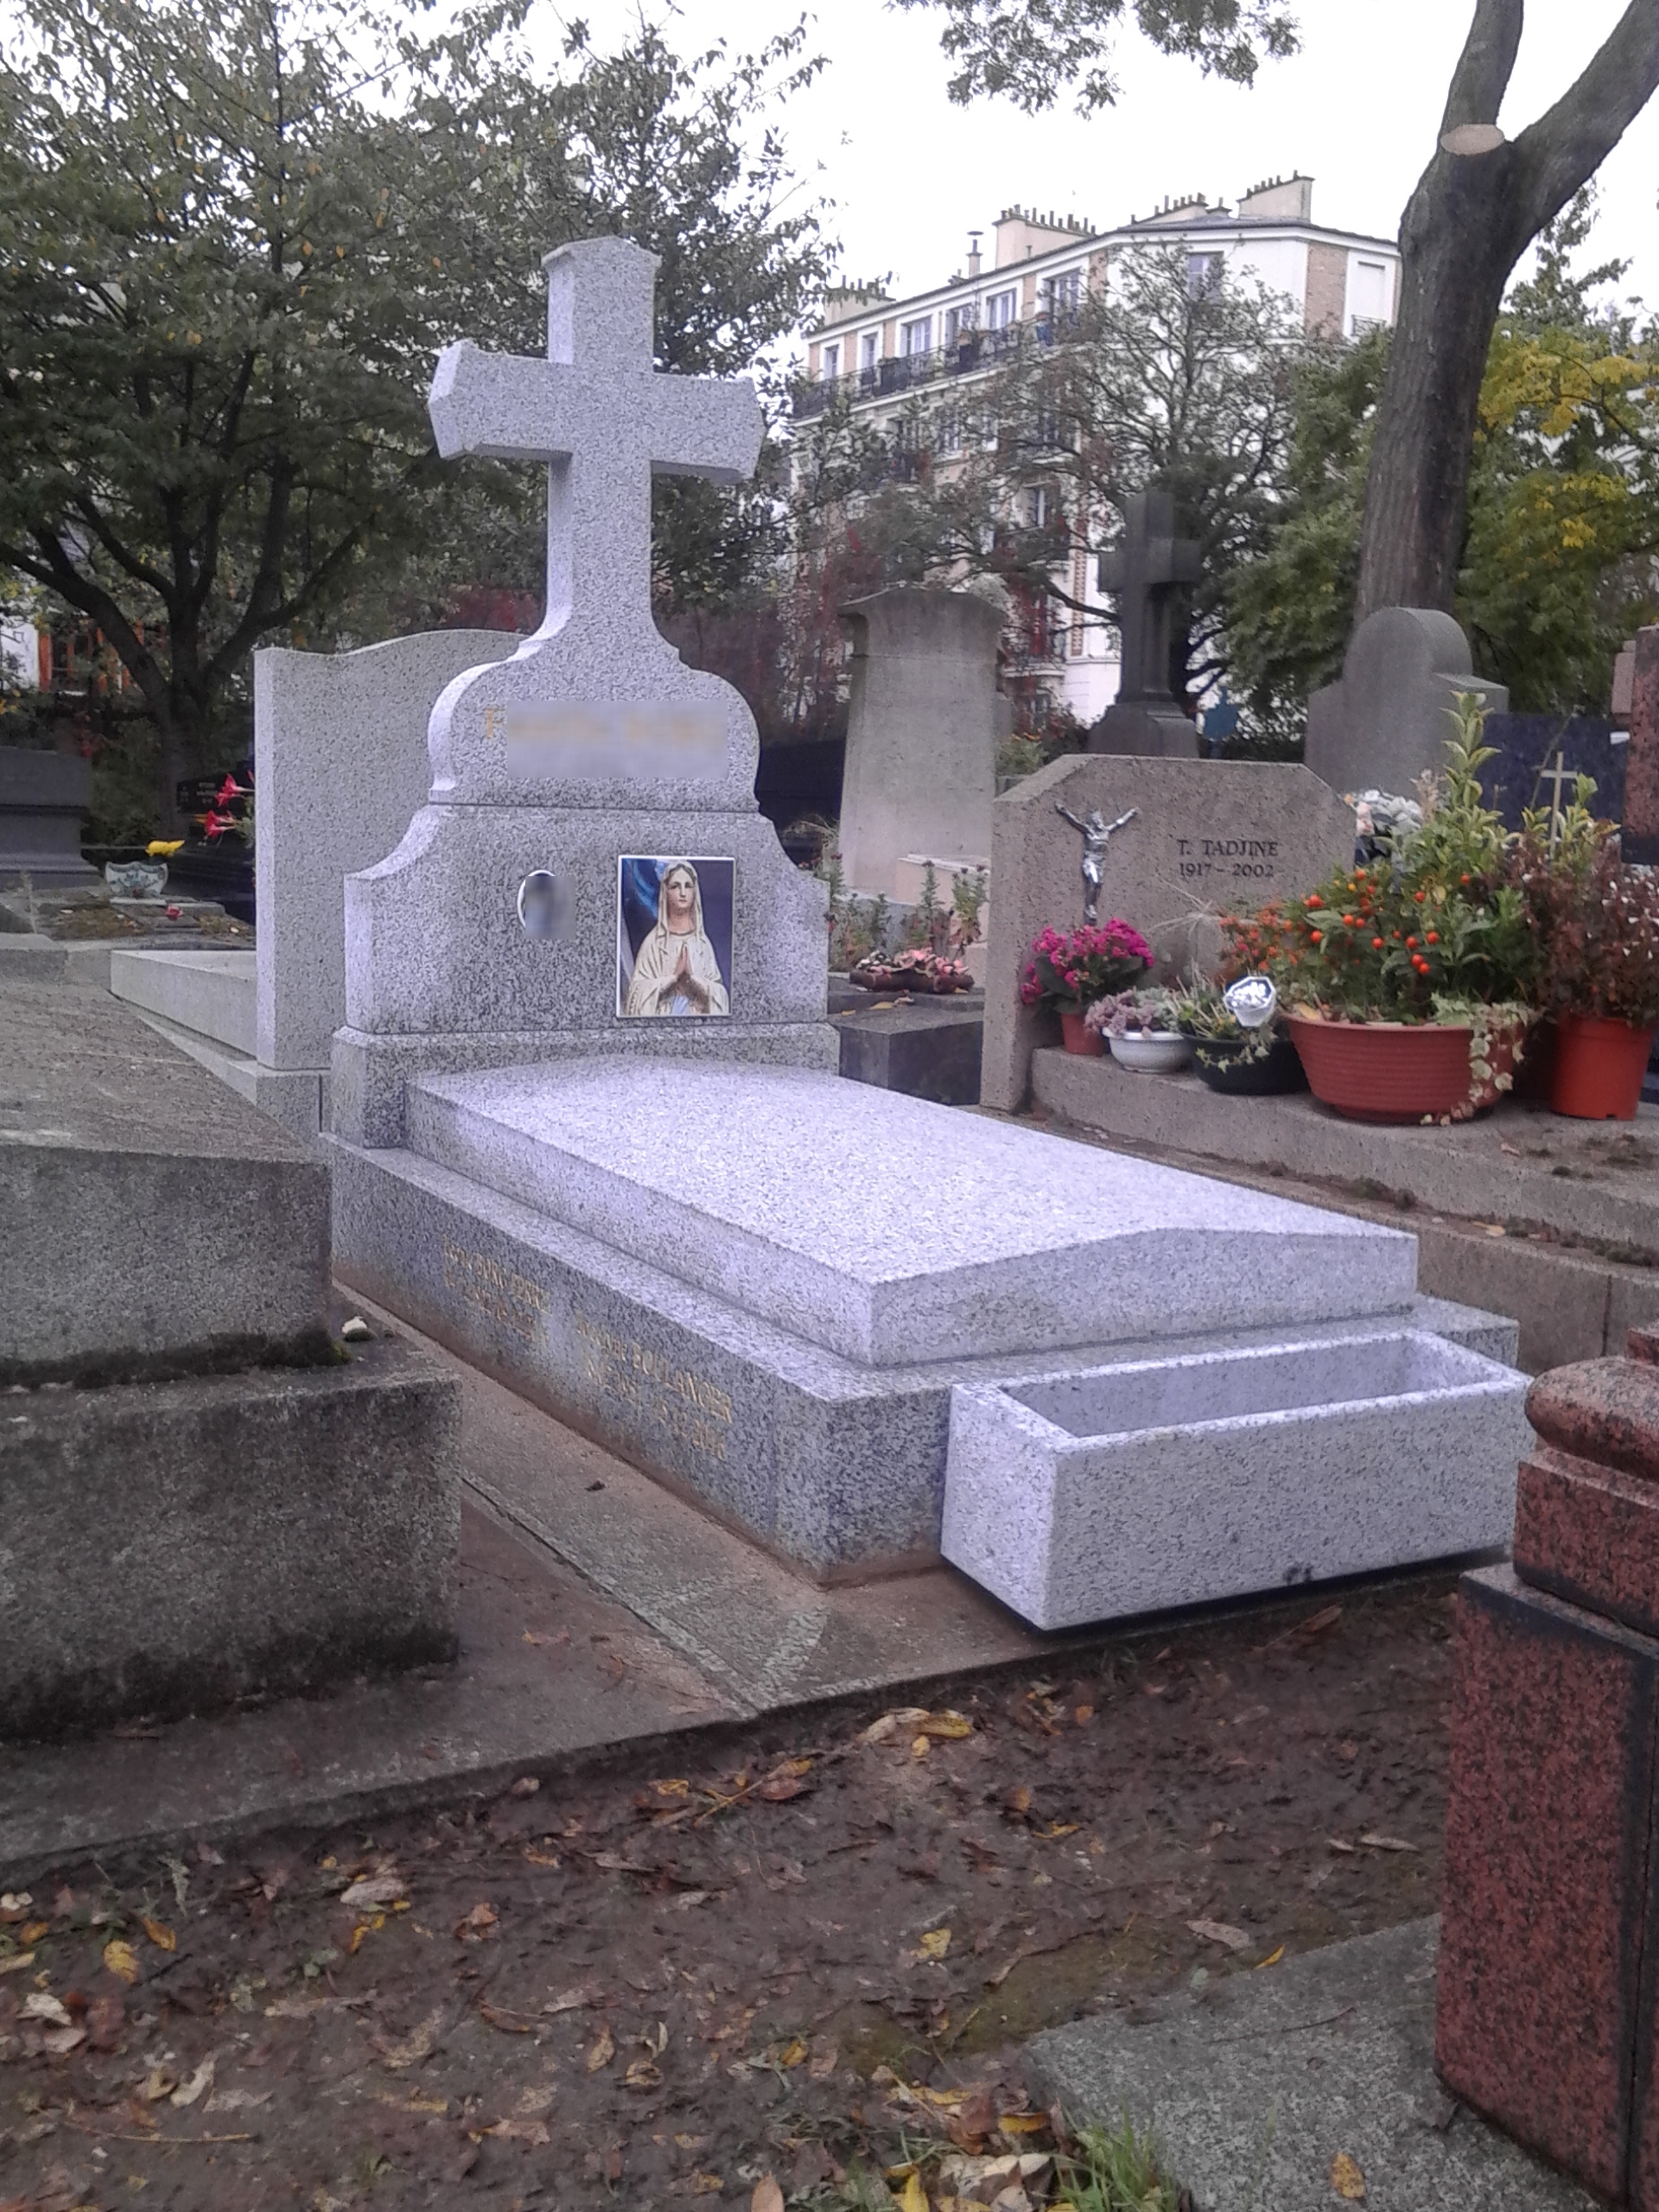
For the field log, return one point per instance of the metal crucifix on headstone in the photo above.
(603, 420)
(1142, 572)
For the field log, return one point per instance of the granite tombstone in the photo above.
(923, 724)
(685, 1235)
(1386, 718)
(1143, 572)
(1205, 838)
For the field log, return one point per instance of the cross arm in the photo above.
(491, 404)
(703, 426)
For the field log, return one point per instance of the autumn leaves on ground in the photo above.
(800, 1967)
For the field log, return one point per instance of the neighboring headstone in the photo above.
(1546, 2011)
(1641, 814)
(1143, 573)
(1624, 683)
(684, 1234)
(1388, 717)
(1209, 837)
(340, 769)
(44, 799)
(922, 732)
(232, 1509)
(1534, 750)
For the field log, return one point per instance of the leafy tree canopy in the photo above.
(232, 236)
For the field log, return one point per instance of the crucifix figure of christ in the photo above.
(605, 421)
(1142, 572)
(1097, 834)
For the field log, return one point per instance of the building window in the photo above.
(947, 430)
(831, 359)
(868, 345)
(1368, 292)
(1060, 293)
(917, 336)
(959, 323)
(1202, 275)
(999, 310)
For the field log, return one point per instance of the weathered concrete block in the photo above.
(169, 1547)
(150, 1221)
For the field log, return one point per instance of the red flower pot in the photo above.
(1387, 1070)
(1599, 1066)
(1075, 1037)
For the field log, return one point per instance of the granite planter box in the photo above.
(1129, 1488)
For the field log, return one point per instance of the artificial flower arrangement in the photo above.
(1260, 1061)
(916, 970)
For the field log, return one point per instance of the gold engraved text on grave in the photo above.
(508, 1298)
(693, 1410)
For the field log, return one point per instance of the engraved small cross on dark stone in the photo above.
(1140, 572)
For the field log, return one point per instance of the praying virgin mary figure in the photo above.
(675, 970)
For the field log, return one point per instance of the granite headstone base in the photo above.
(44, 799)
(1147, 732)
(928, 1048)
(797, 1383)
(195, 1541)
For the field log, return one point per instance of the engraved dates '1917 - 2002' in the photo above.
(1226, 858)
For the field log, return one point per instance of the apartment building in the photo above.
(881, 352)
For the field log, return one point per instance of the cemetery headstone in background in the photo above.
(1210, 837)
(1528, 748)
(44, 797)
(339, 769)
(1387, 717)
(922, 727)
(1641, 814)
(1143, 572)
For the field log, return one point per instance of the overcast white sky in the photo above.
(1356, 109)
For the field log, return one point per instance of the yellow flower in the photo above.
(162, 849)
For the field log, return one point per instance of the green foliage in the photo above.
(1563, 510)
(1027, 50)
(233, 235)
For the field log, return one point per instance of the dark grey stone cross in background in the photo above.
(1142, 572)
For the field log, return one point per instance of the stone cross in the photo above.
(603, 420)
(1140, 572)
(1552, 781)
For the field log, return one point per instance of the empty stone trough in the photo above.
(1156, 1483)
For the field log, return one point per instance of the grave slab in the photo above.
(151, 1221)
(1254, 2087)
(1143, 1484)
(793, 1197)
(836, 1465)
(211, 994)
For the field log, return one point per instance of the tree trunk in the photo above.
(1471, 219)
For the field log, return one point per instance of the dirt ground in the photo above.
(651, 1986)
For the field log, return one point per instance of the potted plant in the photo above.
(1140, 1027)
(1410, 979)
(1596, 923)
(916, 970)
(1070, 973)
(1256, 1063)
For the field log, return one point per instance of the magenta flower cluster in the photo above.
(1085, 965)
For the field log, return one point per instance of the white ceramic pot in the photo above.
(1153, 1051)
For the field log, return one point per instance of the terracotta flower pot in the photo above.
(1599, 1066)
(1387, 1070)
(1075, 1037)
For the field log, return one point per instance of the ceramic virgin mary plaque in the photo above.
(673, 935)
